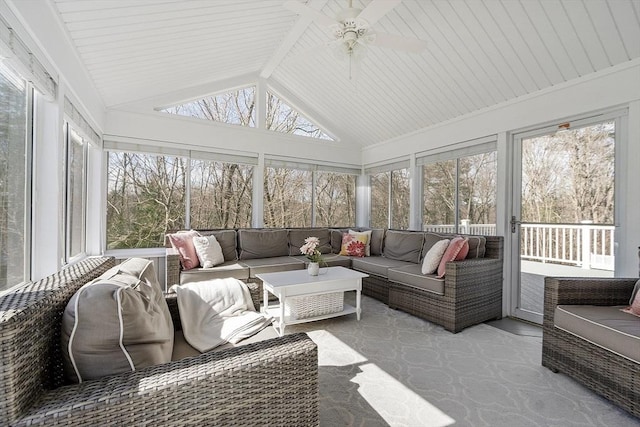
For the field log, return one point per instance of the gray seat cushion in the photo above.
(412, 276)
(232, 269)
(182, 349)
(334, 260)
(607, 327)
(270, 265)
(376, 265)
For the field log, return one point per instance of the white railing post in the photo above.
(464, 226)
(586, 244)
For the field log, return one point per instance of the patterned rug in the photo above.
(393, 369)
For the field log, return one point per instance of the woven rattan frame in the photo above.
(376, 287)
(273, 382)
(30, 319)
(612, 376)
(472, 292)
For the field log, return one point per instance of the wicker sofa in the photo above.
(272, 382)
(587, 337)
(470, 292)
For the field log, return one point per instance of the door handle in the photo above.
(514, 223)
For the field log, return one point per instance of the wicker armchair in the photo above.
(273, 382)
(609, 374)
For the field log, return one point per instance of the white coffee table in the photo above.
(289, 284)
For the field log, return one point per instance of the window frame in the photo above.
(466, 150)
(69, 257)
(28, 210)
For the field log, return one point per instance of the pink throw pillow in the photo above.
(183, 243)
(456, 245)
(464, 251)
(634, 308)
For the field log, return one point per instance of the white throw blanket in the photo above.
(218, 311)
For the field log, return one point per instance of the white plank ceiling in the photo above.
(480, 53)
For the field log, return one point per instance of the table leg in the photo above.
(281, 316)
(265, 299)
(358, 310)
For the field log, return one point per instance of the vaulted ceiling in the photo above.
(480, 53)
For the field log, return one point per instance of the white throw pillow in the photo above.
(433, 256)
(367, 234)
(209, 251)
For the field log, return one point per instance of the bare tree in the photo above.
(145, 199)
(335, 199)
(439, 187)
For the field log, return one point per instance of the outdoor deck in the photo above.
(533, 274)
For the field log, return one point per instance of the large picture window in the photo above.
(287, 197)
(390, 195)
(459, 195)
(145, 199)
(380, 200)
(335, 200)
(14, 179)
(221, 194)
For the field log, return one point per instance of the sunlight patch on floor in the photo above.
(394, 401)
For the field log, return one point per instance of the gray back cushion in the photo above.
(403, 245)
(263, 243)
(336, 239)
(297, 236)
(228, 242)
(377, 239)
(117, 323)
(477, 244)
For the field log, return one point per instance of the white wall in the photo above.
(46, 247)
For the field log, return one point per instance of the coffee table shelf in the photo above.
(274, 310)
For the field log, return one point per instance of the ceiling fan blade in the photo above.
(392, 41)
(304, 10)
(377, 9)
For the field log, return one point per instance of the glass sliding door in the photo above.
(563, 210)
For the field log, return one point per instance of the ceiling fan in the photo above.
(351, 28)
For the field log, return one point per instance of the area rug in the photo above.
(393, 369)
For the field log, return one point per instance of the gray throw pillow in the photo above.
(119, 322)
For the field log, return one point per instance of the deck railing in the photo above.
(585, 245)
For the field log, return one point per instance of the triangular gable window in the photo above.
(282, 118)
(236, 108)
